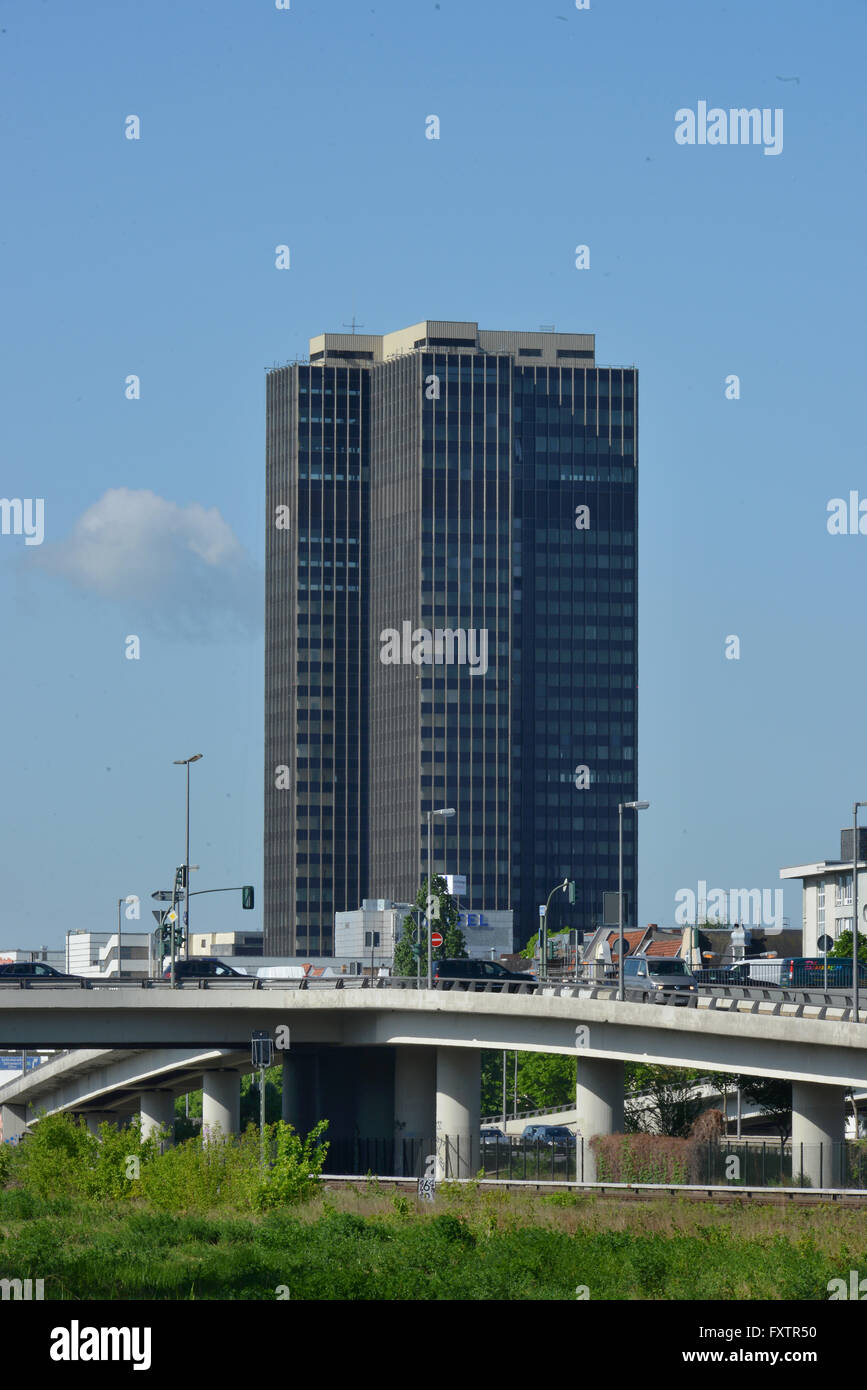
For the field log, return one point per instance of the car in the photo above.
(547, 1134)
(203, 968)
(666, 978)
(489, 1135)
(743, 974)
(713, 975)
(477, 974)
(36, 970)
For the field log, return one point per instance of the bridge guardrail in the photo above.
(784, 1002)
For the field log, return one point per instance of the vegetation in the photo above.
(467, 1244)
(62, 1160)
(774, 1099)
(446, 920)
(544, 1080)
(666, 1106)
(843, 948)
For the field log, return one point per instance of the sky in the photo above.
(306, 126)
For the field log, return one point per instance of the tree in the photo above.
(250, 1112)
(843, 947)
(544, 1080)
(774, 1099)
(446, 919)
(659, 1100)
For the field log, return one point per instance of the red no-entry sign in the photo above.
(436, 938)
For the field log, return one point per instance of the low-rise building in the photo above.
(827, 903)
(372, 931)
(93, 953)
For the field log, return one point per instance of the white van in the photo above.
(666, 977)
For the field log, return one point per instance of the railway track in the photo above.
(626, 1192)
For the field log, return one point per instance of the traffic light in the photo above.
(571, 890)
(166, 938)
(180, 877)
(247, 895)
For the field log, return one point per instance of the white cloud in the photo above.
(183, 566)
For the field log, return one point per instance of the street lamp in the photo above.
(559, 888)
(855, 981)
(624, 806)
(445, 811)
(120, 903)
(185, 762)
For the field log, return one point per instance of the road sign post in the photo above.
(263, 1053)
(825, 944)
(436, 939)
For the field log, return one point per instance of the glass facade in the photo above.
(491, 499)
(316, 659)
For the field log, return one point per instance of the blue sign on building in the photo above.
(13, 1063)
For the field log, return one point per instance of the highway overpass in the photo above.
(389, 1057)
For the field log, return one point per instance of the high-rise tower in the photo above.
(451, 621)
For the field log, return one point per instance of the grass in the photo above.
(364, 1244)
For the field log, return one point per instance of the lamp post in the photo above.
(624, 806)
(855, 981)
(444, 811)
(120, 903)
(560, 888)
(185, 762)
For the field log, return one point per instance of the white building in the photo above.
(13, 953)
(94, 954)
(827, 892)
(225, 943)
(375, 928)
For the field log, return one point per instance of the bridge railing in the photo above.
(788, 1003)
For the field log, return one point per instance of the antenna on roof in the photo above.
(352, 325)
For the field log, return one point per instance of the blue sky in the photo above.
(306, 127)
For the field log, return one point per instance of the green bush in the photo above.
(61, 1159)
(203, 1174)
(294, 1172)
(55, 1158)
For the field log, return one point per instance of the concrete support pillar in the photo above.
(415, 1087)
(157, 1112)
(599, 1108)
(13, 1121)
(818, 1120)
(458, 1111)
(301, 1090)
(94, 1118)
(221, 1104)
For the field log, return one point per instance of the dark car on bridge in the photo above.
(203, 968)
(28, 970)
(713, 975)
(479, 974)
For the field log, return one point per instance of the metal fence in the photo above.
(727, 1163)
